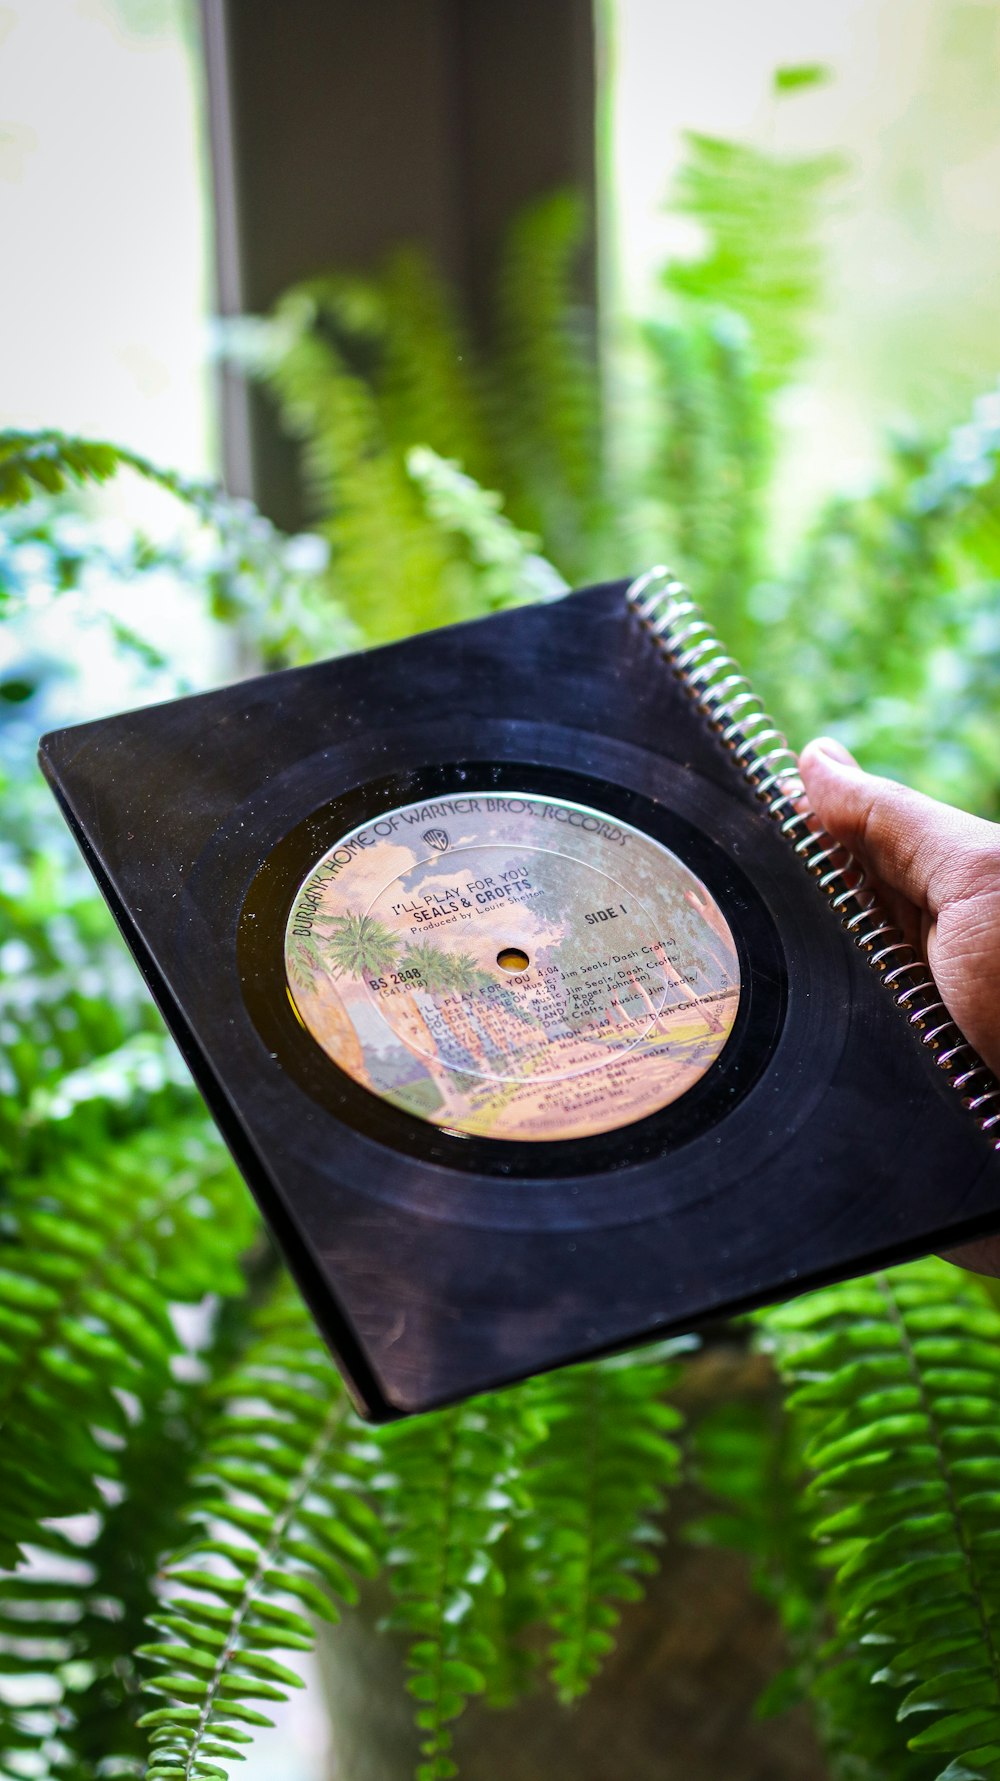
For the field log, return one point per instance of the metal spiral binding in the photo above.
(713, 679)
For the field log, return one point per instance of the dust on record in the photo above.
(512, 967)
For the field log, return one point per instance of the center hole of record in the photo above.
(511, 958)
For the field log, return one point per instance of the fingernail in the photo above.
(834, 751)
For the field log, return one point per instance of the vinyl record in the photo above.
(517, 978)
(532, 1030)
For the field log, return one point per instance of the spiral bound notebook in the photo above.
(538, 1014)
(761, 752)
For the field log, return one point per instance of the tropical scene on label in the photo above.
(788, 392)
(445, 1031)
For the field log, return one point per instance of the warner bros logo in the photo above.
(436, 838)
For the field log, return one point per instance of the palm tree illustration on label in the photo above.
(448, 980)
(363, 948)
(687, 990)
(548, 974)
(311, 985)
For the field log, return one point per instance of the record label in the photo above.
(511, 966)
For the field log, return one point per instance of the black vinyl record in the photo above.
(619, 991)
(523, 1021)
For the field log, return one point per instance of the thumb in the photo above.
(928, 851)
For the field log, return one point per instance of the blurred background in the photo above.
(168, 168)
(715, 283)
(112, 257)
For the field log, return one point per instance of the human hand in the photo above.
(937, 872)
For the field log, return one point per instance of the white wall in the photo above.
(103, 225)
(912, 326)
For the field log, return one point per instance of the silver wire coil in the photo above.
(761, 752)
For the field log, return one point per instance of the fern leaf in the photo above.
(747, 1456)
(548, 412)
(278, 1530)
(259, 576)
(365, 369)
(446, 1500)
(49, 462)
(70, 997)
(743, 1458)
(510, 1609)
(594, 1487)
(899, 1390)
(709, 465)
(94, 1251)
(428, 379)
(512, 572)
(885, 630)
(799, 75)
(40, 1617)
(80, 1623)
(742, 313)
(762, 259)
(392, 569)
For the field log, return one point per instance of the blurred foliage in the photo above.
(200, 1466)
(367, 368)
(278, 1529)
(897, 1410)
(762, 260)
(888, 625)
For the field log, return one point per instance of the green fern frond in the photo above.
(800, 75)
(50, 462)
(512, 573)
(79, 1623)
(71, 1002)
(898, 1388)
(746, 1455)
(743, 1458)
(96, 1247)
(278, 1531)
(446, 1500)
(324, 397)
(886, 630)
(389, 566)
(255, 574)
(97, 1722)
(94, 1250)
(860, 557)
(429, 381)
(364, 369)
(41, 1616)
(594, 1487)
(708, 468)
(509, 1612)
(548, 411)
(762, 258)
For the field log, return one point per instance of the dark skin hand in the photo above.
(937, 871)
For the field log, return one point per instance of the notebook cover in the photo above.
(837, 1147)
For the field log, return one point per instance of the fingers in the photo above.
(927, 851)
(940, 862)
(982, 1257)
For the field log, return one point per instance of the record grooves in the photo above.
(539, 1022)
(761, 970)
